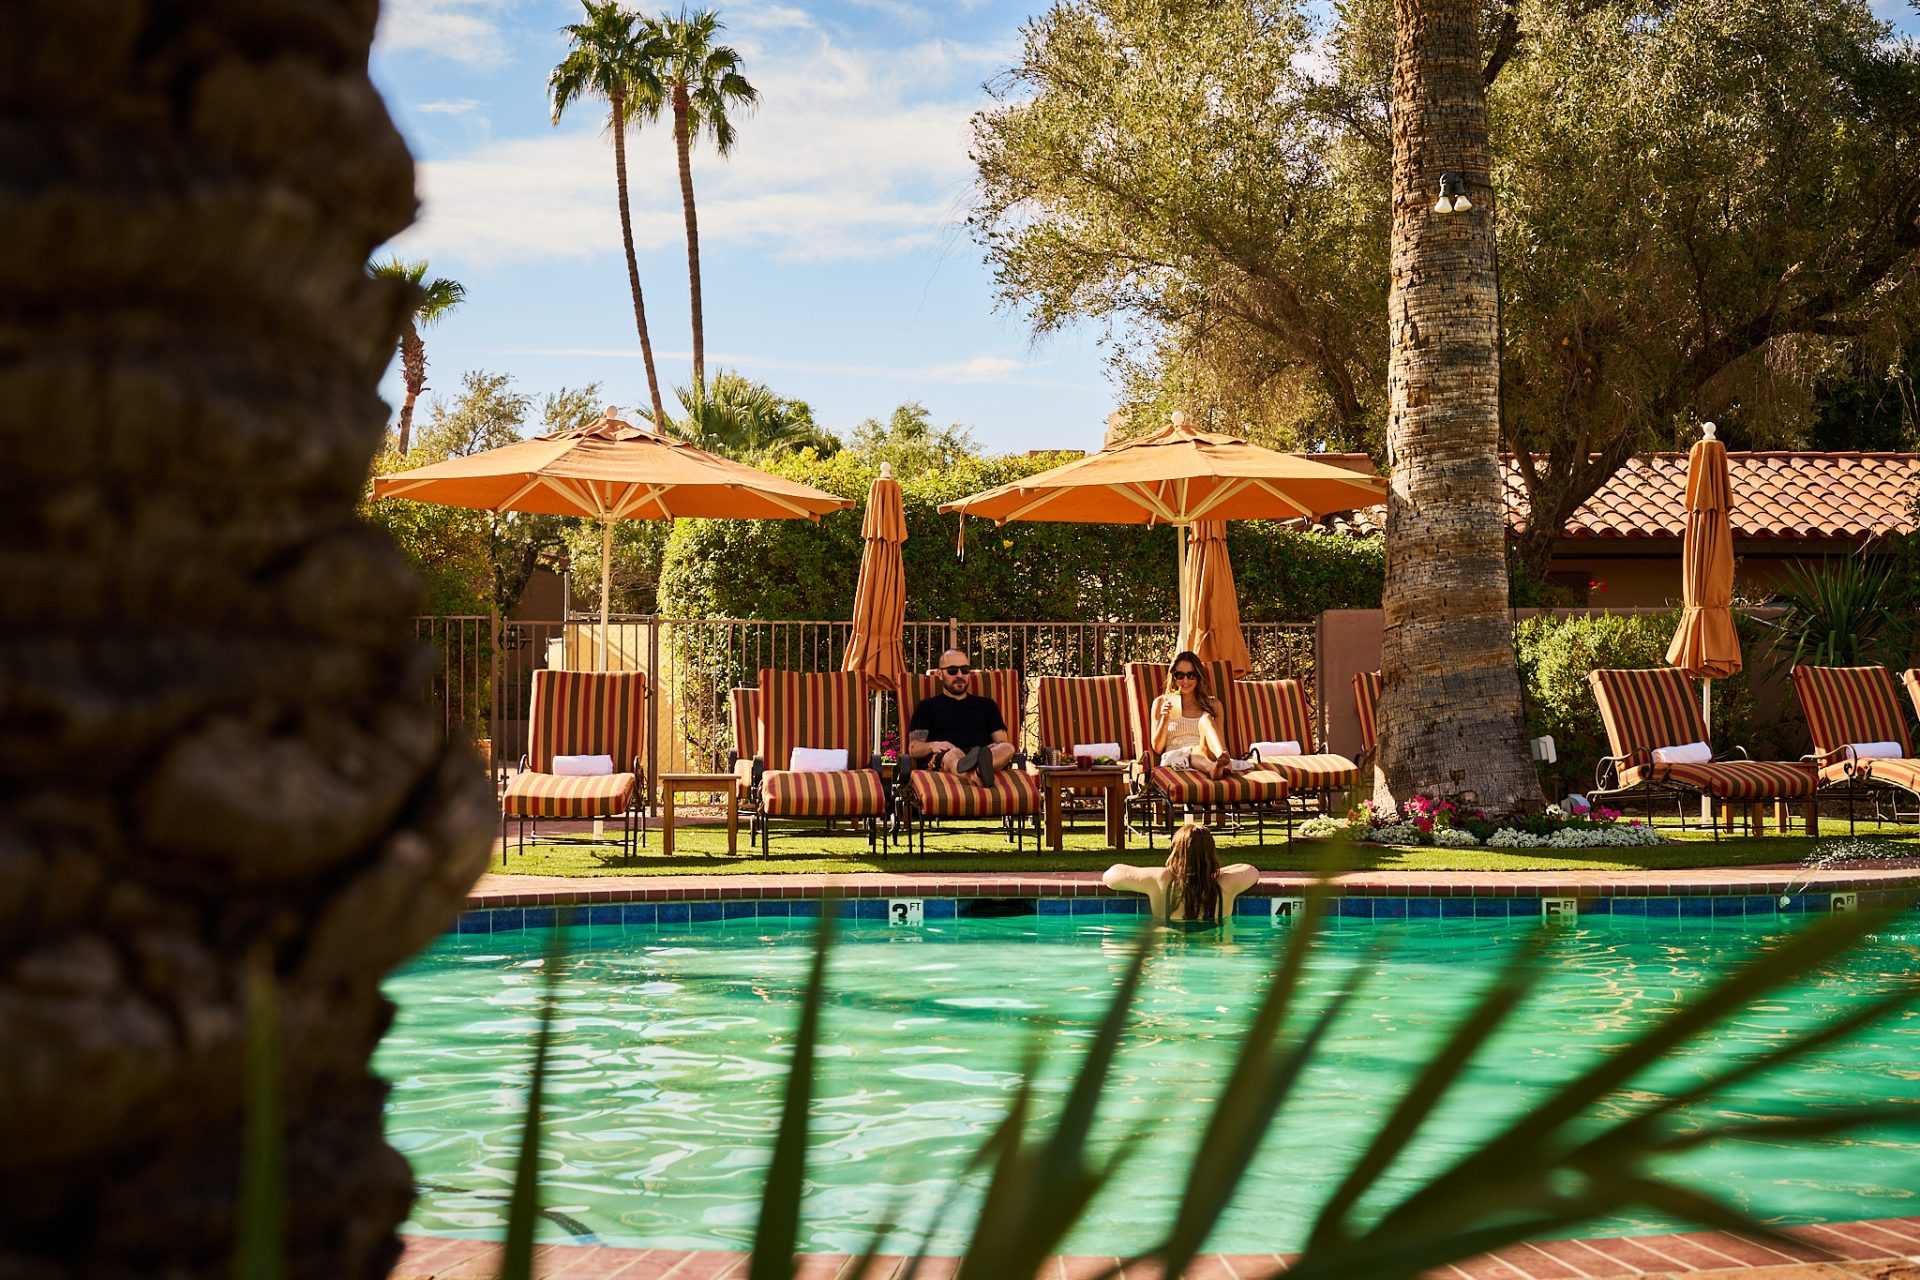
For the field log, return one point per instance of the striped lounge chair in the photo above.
(743, 718)
(1171, 789)
(1846, 707)
(1649, 709)
(827, 709)
(1911, 678)
(1081, 710)
(582, 713)
(1277, 711)
(1015, 796)
(1366, 696)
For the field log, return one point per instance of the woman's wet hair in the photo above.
(1192, 889)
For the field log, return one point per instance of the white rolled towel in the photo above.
(1267, 750)
(582, 766)
(1690, 753)
(818, 760)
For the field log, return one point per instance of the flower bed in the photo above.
(1575, 824)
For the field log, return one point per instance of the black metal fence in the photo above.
(483, 683)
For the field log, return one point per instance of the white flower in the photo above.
(1454, 838)
(1321, 827)
(1398, 833)
(1513, 838)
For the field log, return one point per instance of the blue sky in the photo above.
(836, 265)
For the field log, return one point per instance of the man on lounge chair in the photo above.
(959, 732)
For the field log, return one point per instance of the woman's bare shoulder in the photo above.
(1239, 876)
(1123, 876)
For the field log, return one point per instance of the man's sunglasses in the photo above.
(957, 671)
(1182, 675)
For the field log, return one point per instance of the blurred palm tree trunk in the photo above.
(1449, 713)
(214, 734)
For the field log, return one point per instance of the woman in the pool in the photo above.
(1193, 886)
(1185, 722)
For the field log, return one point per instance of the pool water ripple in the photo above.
(673, 1042)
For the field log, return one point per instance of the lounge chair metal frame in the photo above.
(997, 683)
(577, 710)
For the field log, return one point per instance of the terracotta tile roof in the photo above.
(1776, 496)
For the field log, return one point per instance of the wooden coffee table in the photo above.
(1110, 782)
(672, 784)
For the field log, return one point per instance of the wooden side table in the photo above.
(1110, 782)
(672, 784)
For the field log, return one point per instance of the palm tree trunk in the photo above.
(1450, 716)
(413, 371)
(216, 735)
(683, 143)
(619, 127)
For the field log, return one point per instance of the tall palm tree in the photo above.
(257, 774)
(703, 81)
(612, 59)
(1449, 713)
(437, 297)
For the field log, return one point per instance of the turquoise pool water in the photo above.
(672, 1045)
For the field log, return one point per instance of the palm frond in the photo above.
(260, 1244)
(779, 1228)
(523, 1211)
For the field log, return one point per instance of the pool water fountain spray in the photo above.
(1850, 854)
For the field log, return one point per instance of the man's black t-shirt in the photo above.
(965, 722)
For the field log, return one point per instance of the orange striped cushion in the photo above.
(1851, 704)
(1894, 773)
(587, 713)
(1911, 679)
(1001, 684)
(1184, 786)
(1366, 695)
(546, 795)
(848, 793)
(1733, 779)
(943, 795)
(1077, 709)
(1148, 680)
(1647, 709)
(814, 709)
(1314, 773)
(743, 712)
(1271, 711)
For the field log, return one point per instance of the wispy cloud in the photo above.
(448, 107)
(466, 31)
(853, 154)
(979, 369)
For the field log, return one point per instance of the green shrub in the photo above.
(1022, 571)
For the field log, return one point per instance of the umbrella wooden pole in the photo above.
(1706, 718)
(606, 578)
(1180, 584)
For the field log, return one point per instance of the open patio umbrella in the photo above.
(609, 470)
(1178, 475)
(880, 601)
(1705, 645)
(1209, 606)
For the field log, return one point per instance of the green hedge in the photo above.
(1023, 571)
(1555, 655)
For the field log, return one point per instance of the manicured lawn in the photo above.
(808, 850)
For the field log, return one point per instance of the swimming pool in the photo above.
(671, 1046)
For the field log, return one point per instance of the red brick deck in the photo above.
(1884, 1249)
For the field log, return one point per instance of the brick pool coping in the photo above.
(1875, 885)
(1877, 1249)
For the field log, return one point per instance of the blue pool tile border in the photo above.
(1703, 909)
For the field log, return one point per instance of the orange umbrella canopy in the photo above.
(1209, 608)
(880, 601)
(1177, 475)
(610, 470)
(1705, 644)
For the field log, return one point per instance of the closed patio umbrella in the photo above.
(1209, 607)
(1178, 475)
(880, 601)
(1705, 645)
(610, 470)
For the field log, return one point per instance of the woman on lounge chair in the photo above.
(1193, 886)
(1186, 721)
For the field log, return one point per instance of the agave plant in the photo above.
(1555, 1166)
(1844, 613)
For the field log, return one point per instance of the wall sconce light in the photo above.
(1453, 194)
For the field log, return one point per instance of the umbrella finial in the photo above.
(1179, 418)
(886, 471)
(1708, 431)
